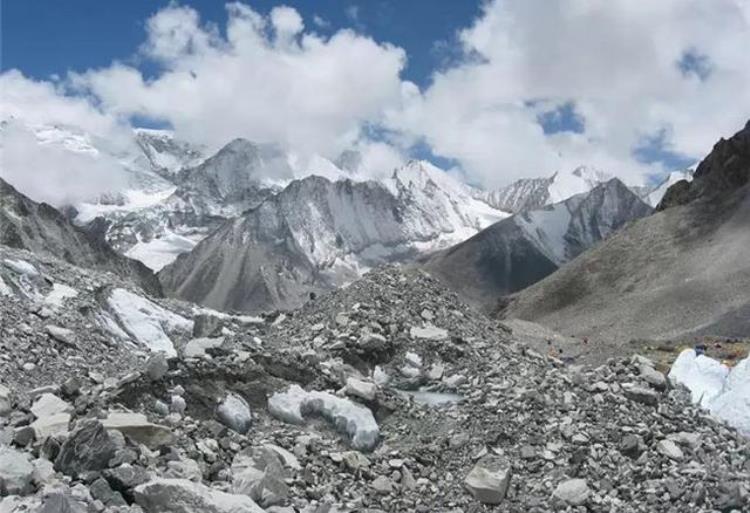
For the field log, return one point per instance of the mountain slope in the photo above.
(317, 234)
(681, 271)
(40, 228)
(521, 250)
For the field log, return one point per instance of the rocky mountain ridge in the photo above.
(39, 227)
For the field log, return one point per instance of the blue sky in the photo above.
(499, 89)
(95, 32)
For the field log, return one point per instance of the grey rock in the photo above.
(16, 473)
(632, 446)
(259, 473)
(137, 427)
(62, 335)
(157, 366)
(49, 404)
(125, 477)
(669, 449)
(234, 412)
(101, 490)
(382, 485)
(489, 480)
(573, 491)
(58, 501)
(361, 389)
(24, 435)
(52, 425)
(653, 377)
(183, 496)
(641, 395)
(89, 447)
(6, 402)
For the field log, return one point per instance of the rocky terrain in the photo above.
(389, 395)
(679, 273)
(518, 251)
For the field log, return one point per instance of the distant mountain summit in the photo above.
(532, 193)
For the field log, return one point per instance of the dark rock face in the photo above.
(725, 169)
(89, 447)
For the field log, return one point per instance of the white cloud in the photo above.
(47, 171)
(285, 86)
(272, 80)
(616, 60)
(40, 102)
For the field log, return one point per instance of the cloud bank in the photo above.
(538, 87)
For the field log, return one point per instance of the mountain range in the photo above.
(250, 211)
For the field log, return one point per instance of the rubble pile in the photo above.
(389, 395)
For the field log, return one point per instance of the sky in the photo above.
(493, 90)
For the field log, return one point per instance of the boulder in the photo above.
(183, 496)
(49, 404)
(573, 491)
(489, 480)
(640, 394)
(382, 485)
(6, 401)
(51, 425)
(157, 366)
(62, 335)
(669, 449)
(234, 413)
(361, 389)
(89, 447)
(653, 377)
(16, 473)
(57, 501)
(137, 427)
(126, 477)
(259, 473)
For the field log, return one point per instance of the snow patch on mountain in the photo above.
(161, 251)
(547, 229)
